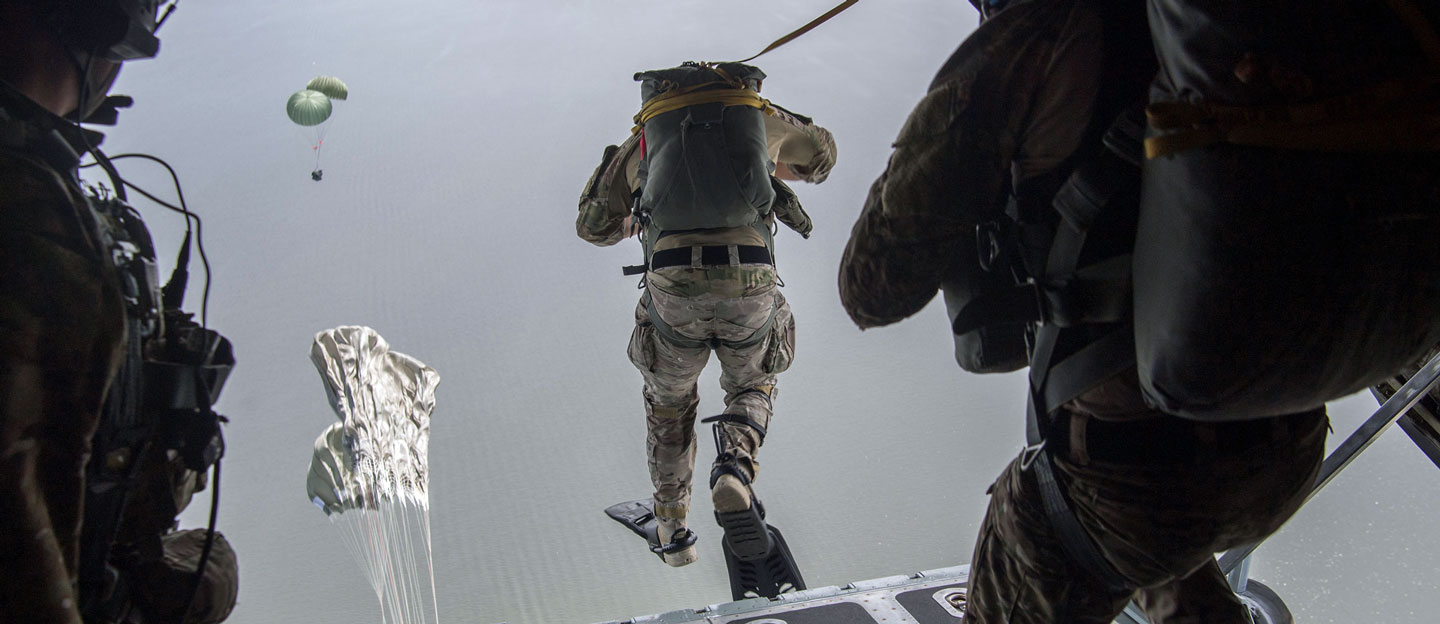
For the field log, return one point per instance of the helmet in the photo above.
(115, 30)
(988, 8)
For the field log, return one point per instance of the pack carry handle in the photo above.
(803, 29)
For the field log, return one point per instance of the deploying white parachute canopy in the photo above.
(370, 471)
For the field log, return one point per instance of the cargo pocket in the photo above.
(642, 347)
(782, 343)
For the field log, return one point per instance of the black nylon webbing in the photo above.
(739, 419)
(710, 255)
(1076, 378)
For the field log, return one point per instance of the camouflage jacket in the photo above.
(807, 149)
(1011, 104)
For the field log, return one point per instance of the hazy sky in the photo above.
(445, 221)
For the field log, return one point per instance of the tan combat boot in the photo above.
(677, 543)
(738, 512)
(730, 494)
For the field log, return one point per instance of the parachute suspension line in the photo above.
(371, 468)
(430, 560)
(412, 572)
(397, 604)
(803, 29)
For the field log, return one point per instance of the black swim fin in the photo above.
(746, 534)
(770, 576)
(639, 517)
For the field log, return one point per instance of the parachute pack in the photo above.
(704, 157)
(1289, 229)
(1283, 254)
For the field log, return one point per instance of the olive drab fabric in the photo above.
(807, 149)
(1270, 197)
(308, 108)
(333, 88)
(705, 165)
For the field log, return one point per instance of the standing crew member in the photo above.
(92, 472)
(1018, 174)
(700, 183)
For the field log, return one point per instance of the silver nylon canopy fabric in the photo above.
(378, 452)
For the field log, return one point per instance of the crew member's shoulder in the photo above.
(1024, 35)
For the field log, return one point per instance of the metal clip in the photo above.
(1028, 455)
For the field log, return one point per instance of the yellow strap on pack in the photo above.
(699, 94)
(1400, 115)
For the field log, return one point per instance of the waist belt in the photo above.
(710, 255)
(1170, 440)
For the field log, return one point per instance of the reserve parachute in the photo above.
(312, 109)
(369, 472)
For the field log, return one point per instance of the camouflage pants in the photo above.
(61, 327)
(738, 313)
(1158, 520)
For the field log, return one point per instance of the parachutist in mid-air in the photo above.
(315, 175)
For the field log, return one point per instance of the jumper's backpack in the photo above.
(703, 144)
(1288, 250)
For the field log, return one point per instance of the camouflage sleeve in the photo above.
(61, 328)
(788, 210)
(947, 174)
(807, 149)
(606, 199)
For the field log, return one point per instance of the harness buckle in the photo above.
(1029, 453)
(989, 245)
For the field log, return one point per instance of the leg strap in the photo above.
(739, 419)
(725, 461)
(1073, 538)
(682, 539)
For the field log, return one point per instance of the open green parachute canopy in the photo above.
(308, 108)
(332, 87)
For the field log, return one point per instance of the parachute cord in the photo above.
(412, 575)
(101, 160)
(209, 543)
(430, 562)
(396, 591)
(403, 568)
(803, 29)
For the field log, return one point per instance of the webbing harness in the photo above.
(1068, 295)
(725, 461)
(701, 256)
